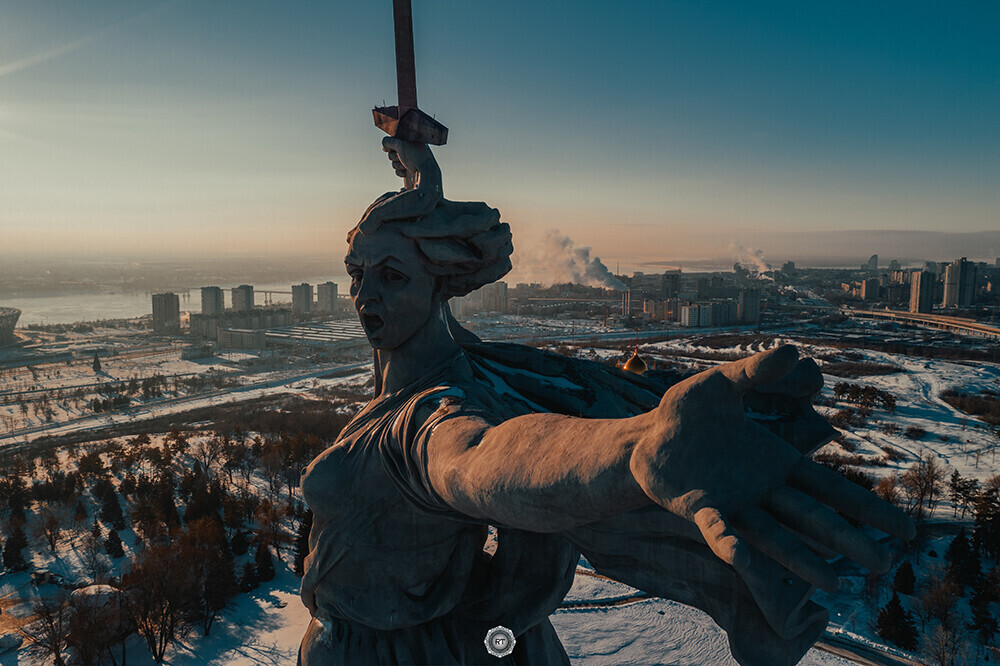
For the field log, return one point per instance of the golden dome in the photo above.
(635, 364)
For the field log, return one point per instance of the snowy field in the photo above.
(265, 625)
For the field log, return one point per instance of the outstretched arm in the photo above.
(696, 455)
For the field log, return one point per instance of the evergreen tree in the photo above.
(983, 622)
(896, 625)
(211, 560)
(302, 542)
(79, 512)
(113, 545)
(239, 544)
(987, 522)
(13, 559)
(249, 580)
(97, 363)
(265, 564)
(963, 562)
(989, 583)
(111, 509)
(904, 579)
(955, 490)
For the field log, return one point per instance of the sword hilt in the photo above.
(405, 121)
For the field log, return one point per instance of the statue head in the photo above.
(463, 244)
(402, 271)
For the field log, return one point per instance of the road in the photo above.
(164, 406)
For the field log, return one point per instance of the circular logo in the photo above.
(500, 641)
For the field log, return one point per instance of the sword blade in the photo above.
(406, 73)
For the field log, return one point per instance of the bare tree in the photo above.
(937, 600)
(94, 559)
(946, 645)
(48, 631)
(160, 590)
(98, 620)
(922, 484)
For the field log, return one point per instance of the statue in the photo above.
(682, 495)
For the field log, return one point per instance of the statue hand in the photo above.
(409, 159)
(704, 460)
(415, 163)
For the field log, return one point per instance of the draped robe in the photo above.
(395, 575)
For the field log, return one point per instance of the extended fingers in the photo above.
(721, 537)
(765, 534)
(840, 494)
(765, 368)
(816, 521)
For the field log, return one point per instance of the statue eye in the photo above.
(392, 276)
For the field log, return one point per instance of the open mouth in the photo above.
(371, 322)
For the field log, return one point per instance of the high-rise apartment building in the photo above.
(302, 298)
(921, 292)
(326, 297)
(959, 284)
(872, 264)
(166, 314)
(212, 301)
(870, 289)
(495, 297)
(670, 285)
(748, 306)
(243, 298)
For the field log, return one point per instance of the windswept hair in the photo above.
(462, 242)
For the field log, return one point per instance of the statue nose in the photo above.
(368, 292)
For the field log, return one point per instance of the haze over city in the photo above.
(648, 132)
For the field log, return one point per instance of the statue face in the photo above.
(390, 287)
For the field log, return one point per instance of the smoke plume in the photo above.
(555, 258)
(751, 259)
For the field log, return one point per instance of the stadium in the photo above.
(8, 319)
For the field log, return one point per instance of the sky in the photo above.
(649, 131)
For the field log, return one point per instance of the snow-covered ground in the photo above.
(264, 627)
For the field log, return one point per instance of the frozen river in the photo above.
(68, 308)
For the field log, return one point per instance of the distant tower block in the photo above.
(922, 292)
(212, 301)
(670, 284)
(748, 306)
(959, 283)
(302, 298)
(870, 289)
(872, 264)
(166, 314)
(243, 298)
(495, 298)
(326, 297)
(8, 320)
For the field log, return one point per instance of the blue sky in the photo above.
(644, 129)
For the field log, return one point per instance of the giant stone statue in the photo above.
(676, 491)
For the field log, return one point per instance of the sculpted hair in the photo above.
(462, 242)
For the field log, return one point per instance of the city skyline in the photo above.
(659, 132)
